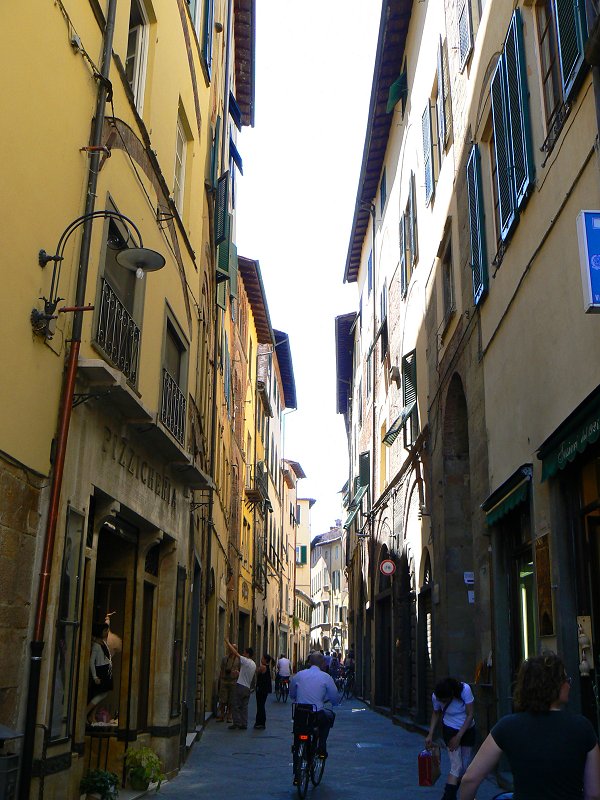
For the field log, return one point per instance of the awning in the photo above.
(393, 431)
(577, 432)
(509, 495)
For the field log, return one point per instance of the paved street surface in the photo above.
(369, 757)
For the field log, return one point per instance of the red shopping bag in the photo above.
(429, 766)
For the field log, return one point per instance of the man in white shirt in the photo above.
(283, 669)
(315, 687)
(241, 692)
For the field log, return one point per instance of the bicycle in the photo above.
(348, 689)
(284, 688)
(307, 764)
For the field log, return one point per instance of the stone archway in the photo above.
(457, 536)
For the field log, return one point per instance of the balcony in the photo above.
(257, 484)
(117, 335)
(173, 407)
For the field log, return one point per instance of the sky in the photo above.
(295, 205)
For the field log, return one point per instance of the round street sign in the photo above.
(387, 567)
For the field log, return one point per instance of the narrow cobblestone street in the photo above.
(368, 757)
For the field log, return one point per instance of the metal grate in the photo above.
(172, 409)
(117, 334)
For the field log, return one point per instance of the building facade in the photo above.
(329, 591)
(471, 458)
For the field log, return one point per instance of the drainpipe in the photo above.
(37, 643)
(213, 431)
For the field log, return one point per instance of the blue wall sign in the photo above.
(588, 236)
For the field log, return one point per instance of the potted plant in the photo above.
(143, 768)
(100, 783)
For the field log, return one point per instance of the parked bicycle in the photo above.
(307, 764)
(282, 689)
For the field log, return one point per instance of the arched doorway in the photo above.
(457, 537)
(383, 636)
(425, 640)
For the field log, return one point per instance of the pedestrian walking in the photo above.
(264, 687)
(241, 692)
(553, 753)
(453, 703)
(230, 668)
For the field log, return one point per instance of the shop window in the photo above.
(67, 626)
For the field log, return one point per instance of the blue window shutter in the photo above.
(506, 200)
(570, 28)
(222, 208)
(477, 226)
(427, 155)
(441, 99)
(518, 110)
(412, 222)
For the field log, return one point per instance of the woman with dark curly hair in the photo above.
(553, 754)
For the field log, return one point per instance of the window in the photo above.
(443, 101)
(382, 192)
(383, 326)
(447, 284)
(360, 403)
(465, 31)
(181, 145)
(173, 402)
(207, 35)
(370, 272)
(477, 228)
(66, 628)
(137, 51)
(301, 554)
(428, 165)
(410, 412)
(409, 248)
(364, 469)
(369, 374)
(117, 333)
(512, 136)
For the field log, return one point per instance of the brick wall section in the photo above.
(19, 520)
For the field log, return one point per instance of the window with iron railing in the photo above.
(117, 334)
(173, 402)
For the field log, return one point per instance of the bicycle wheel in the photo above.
(285, 690)
(278, 693)
(317, 768)
(302, 770)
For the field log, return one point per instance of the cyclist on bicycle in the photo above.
(315, 687)
(283, 669)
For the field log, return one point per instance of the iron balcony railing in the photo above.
(117, 334)
(173, 407)
(257, 485)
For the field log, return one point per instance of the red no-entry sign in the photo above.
(387, 567)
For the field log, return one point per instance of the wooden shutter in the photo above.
(506, 200)
(440, 103)
(303, 554)
(403, 265)
(224, 254)
(364, 468)
(427, 154)
(222, 208)
(207, 34)
(233, 271)
(214, 156)
(465, 31)
(517, 107)
(476, 223)
(412, 221)
(570, 27)
(409, 379)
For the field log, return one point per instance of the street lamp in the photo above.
(137, 259)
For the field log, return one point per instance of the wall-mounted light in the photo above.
(137, 259)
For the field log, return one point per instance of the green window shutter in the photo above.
(441, 100)
(403, 269)
(409, 378)
(207, 34)
(222, 295)
(504, 176)
(571, 30)
(364, 468)
(303, 550)
(412, 222)
(222, 208)
(427, 154)
(233, 271)
(398, 91)
(223, 255)
(518, 110)
(465, 31)
(214, 156)
(476, 223)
